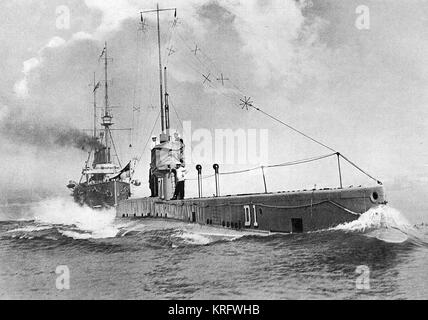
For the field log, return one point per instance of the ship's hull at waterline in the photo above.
(284, 212)
(101, 195)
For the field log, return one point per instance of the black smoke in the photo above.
(45, 134)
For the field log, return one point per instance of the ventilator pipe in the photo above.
(217, 181)
(199, 168)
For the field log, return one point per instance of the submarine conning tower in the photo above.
(165, 156)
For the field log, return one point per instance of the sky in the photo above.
(361, 91)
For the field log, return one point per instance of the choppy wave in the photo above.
(384, 223)
(378, 217)
(155, 258)
(201, 235)
(31, 229)
(69, 219)
(95, 223)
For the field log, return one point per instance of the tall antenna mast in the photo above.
(157, 10)
(160, 72)
(167, 124)
(106, 80)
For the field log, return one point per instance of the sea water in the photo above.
(55, 249)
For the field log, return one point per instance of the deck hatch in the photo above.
(296, 225)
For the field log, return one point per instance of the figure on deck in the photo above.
(153, 183)
(180, 176)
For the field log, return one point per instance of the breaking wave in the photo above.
(71, 220)
(384, 223)
(203, 235)
(378, 217)
(194, 238)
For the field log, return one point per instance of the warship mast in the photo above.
(96, 85)
(107, 118)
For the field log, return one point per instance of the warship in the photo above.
(282, 212)
(103, 183)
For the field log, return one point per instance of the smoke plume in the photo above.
(39, 133)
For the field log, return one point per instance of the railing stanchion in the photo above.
(217, 182)
(340, 171)
(199, 168)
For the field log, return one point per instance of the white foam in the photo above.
(378, 217)
(202, 235)
(30, 229)
(389, 235)
(76, 235)
(383, 222)
(195, 238)
(65, 212)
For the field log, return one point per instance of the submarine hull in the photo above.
(283, 212)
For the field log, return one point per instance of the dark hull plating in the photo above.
(104, 194)
(286, 212)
